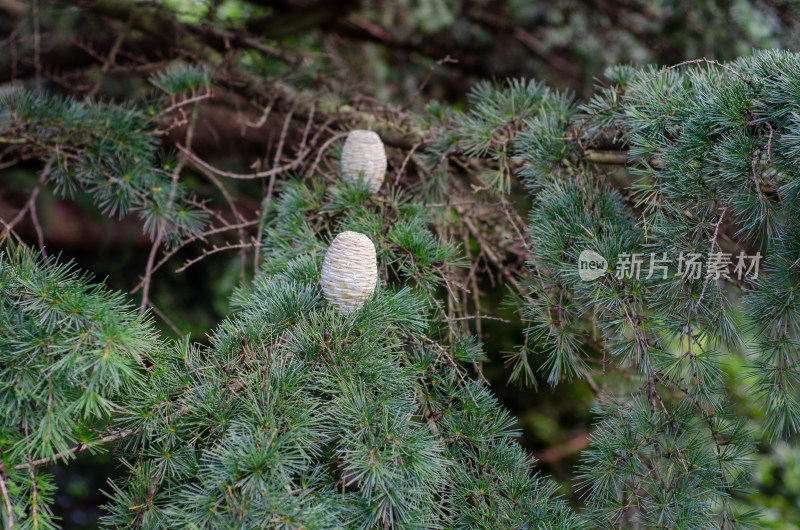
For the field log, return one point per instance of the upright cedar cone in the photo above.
(363, 156)
(349, 271)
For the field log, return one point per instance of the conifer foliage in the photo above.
(297, 415)
(73, 355)
(711, 149)
(110, 151)
(369, 409)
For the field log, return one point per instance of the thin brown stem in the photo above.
(279, 151)
(223, 173)
(73, 450)
(710, 252)
(29, 204)
(37, 227)
(214, 250)
(232, 206)
(148, 273)
(202, 236)
(606, 157)
(715, 63)
(37, 46)
(112, 54)
(163, 317)
(6, 502)
(405, 163)
(34, 498)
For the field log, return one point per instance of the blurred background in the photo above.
(392, 58)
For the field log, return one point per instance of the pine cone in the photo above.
(349, 271)
(363, 156)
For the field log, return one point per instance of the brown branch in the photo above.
(112, 54)
(606, 157)
(476, 317)
(598, 392)
(29, 204)
(405, 162)
(202, 236)
(214, 250)
(37, 46)
(7, 502)
(230, 174)
(206, 94)
(708, 61)
(281, 142)
(263, 119)
(37, 227)
(487, 247)
(554, 454)
(232, 206)
(710, 252)
(322, 150)
(34, 497)
(163, 317)
(452, 362)
(148, 274)
(207, 45)
(73, 450)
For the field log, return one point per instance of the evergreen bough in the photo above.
(297, 415)
(712, 152)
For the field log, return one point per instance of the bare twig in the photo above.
(214, 250)
(754, 174)
(708, 61)
(112, 54)
(279, 151)
(148, 273)
(478, 317)
(30, 204)
(592, 384)
(7, 502)
(37, 227)
(231, 205)
(163, 317)
(322, 150)
(405, 162)
(34, 497)
(37, 45)
(487, 247)
(179, 105)
(202, 236)
(446, 59)
(558, 452)
(606, 157)
(710, 251)
(260, 174)
(459, 372)
(73, 450)
(261, 121)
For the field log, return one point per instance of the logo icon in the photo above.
(591, 265)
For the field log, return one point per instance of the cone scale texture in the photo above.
(349, 271)
(363, 156)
